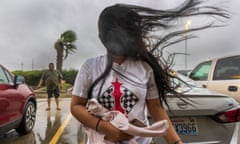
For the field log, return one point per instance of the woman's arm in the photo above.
(80, 112)
(157, 113)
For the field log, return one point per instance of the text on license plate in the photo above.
(185, 126)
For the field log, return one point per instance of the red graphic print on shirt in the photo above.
(118, 97)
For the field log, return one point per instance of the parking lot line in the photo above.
(61, 129)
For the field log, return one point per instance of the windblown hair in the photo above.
(132, 31)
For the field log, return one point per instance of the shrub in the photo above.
(32, 77)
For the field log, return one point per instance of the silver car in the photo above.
(208, 118)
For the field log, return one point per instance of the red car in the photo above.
(17, 103)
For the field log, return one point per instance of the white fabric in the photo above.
(120, 121)
(139, 82)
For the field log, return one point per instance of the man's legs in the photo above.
(49, 104)
(56, 94)
(57, 103)
(49, 92)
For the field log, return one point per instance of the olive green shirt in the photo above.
(52, 79)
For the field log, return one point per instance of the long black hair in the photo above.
(130, 31)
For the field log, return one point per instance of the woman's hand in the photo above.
(111, 133)
(80, 112)
(157, 113)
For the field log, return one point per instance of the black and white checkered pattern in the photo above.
(107, 100)
(128, 99)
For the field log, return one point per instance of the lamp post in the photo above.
(187, 24)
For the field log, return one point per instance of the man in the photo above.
(53, 80)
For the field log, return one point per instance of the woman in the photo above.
(129, 78)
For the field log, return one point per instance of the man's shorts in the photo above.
(54, 92)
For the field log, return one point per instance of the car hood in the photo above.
(196, 101)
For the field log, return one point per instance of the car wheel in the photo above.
(28, 120)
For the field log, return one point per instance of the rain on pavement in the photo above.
(49, 127)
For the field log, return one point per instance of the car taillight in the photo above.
(229, 116)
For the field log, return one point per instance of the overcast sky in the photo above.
(29, 28)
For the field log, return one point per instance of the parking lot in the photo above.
(51, 127)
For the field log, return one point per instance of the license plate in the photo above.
(185, 126)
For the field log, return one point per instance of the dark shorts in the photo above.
(54, 92)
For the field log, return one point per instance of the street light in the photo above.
(187, 24)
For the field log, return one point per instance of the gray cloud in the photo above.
(29, 28)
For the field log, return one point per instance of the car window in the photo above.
(227, 68)
(3, 76)
(10, 77)
(201, 71)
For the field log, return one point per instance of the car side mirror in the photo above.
(19, 80)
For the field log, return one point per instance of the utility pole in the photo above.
(187, 24)
(32, 65)
(22, 66)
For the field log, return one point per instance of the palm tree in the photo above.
(64, 46)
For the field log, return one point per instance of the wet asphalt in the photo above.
(51, 127)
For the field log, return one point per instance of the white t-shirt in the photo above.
(125, 89)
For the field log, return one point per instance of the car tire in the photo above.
(28, 119)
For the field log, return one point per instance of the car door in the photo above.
(10, 98)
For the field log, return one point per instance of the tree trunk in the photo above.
(59, 49)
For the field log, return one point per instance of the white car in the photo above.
(220, 74)
(208, 118)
